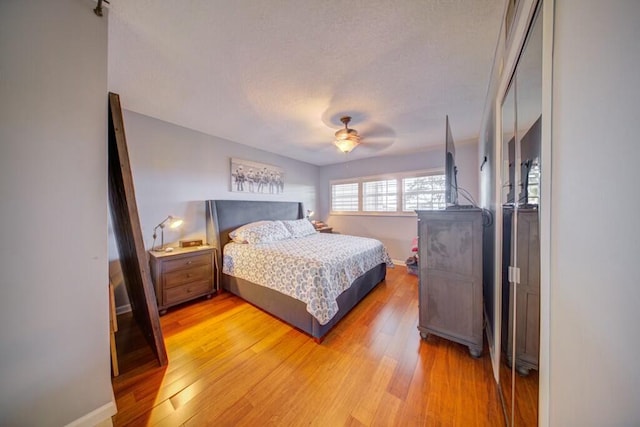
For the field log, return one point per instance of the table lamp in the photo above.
(172, 222)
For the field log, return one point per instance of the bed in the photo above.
(225, 216)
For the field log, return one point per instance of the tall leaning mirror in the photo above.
(522, 118)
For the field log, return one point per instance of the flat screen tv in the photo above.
(450, 170)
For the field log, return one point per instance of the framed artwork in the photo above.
(254, 177)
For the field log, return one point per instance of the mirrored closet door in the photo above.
(521, 174)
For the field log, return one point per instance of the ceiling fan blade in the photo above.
(322, 147)
(378, 142)
(376, 130)
(374, 147)
(374, 137)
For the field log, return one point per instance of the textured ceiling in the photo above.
(278, 75)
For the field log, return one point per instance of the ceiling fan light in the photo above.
(342, 134)
(346, 139)
(346, 133)
(346, 145)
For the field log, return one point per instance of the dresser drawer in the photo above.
(186, 262)
(194, 274)
(186, 292)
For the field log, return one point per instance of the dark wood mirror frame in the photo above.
(126, 225)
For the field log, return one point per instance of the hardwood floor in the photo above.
(526, 396)
(232, 364)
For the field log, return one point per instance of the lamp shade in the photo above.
(175, 222)
(346, 145)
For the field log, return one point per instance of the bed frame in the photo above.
(224, 216)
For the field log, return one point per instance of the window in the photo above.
(395, 194)
(423, 192)
(380, 196)
(533, 185)
(344, 197)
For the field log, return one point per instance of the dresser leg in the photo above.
(163, 312)
(475, 352)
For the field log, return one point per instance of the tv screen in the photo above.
(450, 170)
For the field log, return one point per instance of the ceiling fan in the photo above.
(346, 139)
(371, 137)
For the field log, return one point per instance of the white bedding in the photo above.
(314, 269)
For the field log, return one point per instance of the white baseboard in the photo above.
(397, 262)
(123, 309)
(99, 417)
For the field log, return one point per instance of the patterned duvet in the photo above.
(314, 269)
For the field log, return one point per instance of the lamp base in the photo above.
(167, 249)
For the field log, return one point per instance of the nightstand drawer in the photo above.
(186, 262)
(186, 292)
(182, 274)
(194, 274)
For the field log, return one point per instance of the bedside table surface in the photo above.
(179, 251)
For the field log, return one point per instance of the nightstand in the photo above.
(182, 275)
(325, 229)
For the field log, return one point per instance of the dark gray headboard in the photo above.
(224, 216)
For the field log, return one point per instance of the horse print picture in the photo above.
(254, 177)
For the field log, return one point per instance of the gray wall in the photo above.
(595, 241)
(176, 169)
(396, 232)
(54, 330)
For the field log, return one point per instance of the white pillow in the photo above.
(299, 227)
(260, 232)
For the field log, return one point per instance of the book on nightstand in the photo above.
(319, 224)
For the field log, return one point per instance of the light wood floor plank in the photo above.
(230, 364)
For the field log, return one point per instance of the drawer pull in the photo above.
(189, 275)
(189, 262)
(188, 290)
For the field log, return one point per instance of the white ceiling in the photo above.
(278, 75)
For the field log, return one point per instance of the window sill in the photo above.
(378, 214)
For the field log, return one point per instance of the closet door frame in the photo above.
(514, 45)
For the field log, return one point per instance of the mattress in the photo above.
(314, 269)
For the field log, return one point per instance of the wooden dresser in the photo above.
(450, 294)
(182, 275)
